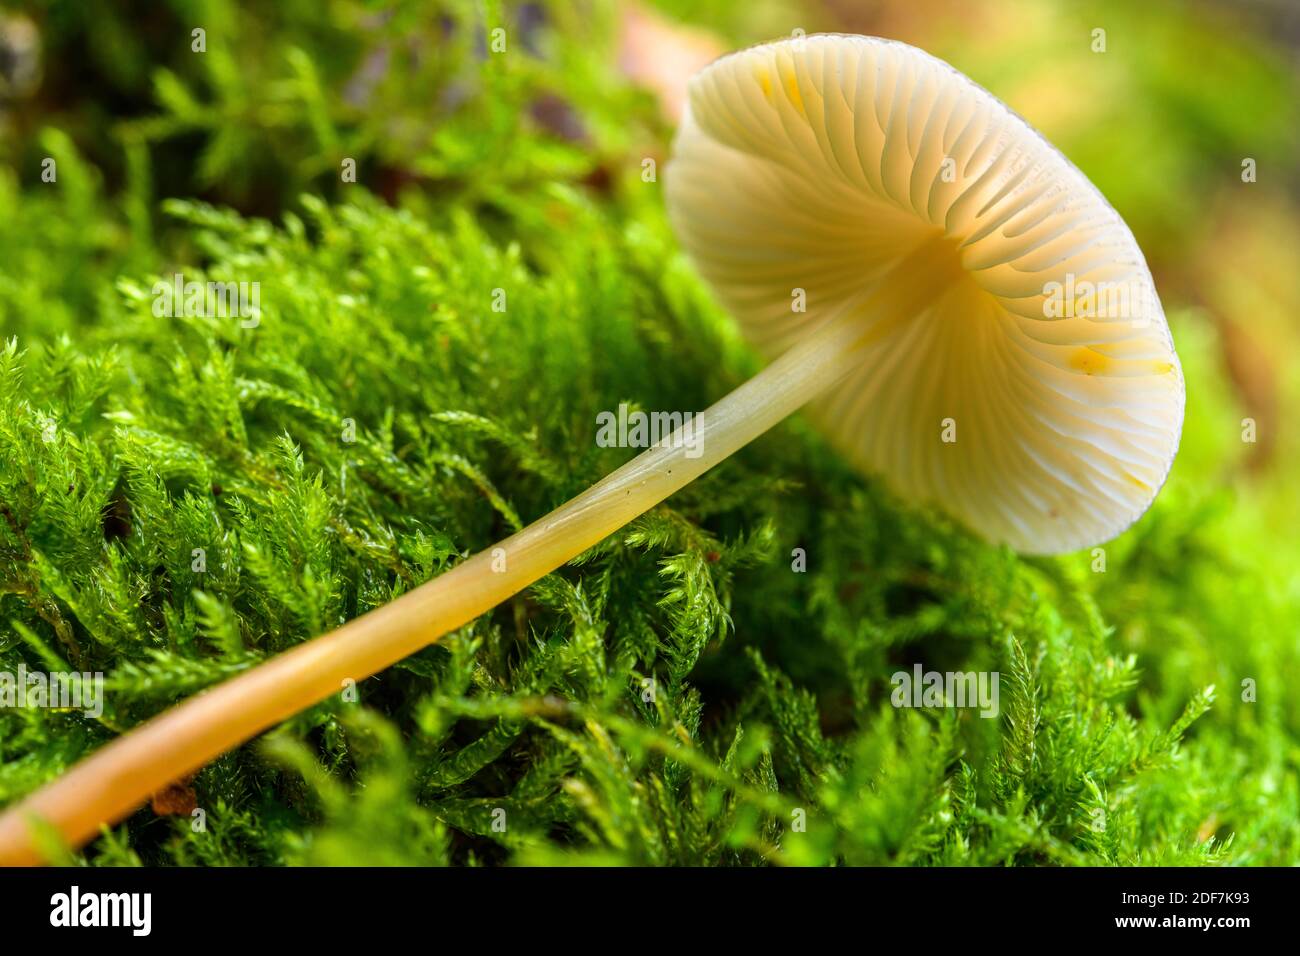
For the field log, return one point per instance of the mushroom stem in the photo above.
(111, 783)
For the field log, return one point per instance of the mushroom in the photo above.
(981, 332)
(1003, 304)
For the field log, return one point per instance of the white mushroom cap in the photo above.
(880, 180)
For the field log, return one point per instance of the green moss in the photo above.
(772, 687)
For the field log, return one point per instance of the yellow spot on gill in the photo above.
(1137, 482)
(789, 83)
(1096, 362)
(792, 91)
(1088, 362)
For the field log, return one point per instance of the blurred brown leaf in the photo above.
(662, 56)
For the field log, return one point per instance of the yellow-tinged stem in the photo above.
(111, 783)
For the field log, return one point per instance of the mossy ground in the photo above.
(127, 440)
